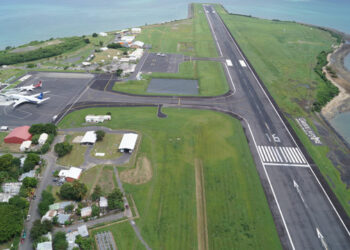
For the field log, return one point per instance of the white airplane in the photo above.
(19, 99)
(30, 87)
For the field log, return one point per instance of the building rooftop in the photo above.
(73, 173)
(103, 202)
(89, 137)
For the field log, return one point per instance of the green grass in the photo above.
(109, 146)
(284, 56)
(210, 76)
(237, 210)
(6, 74)
(123, 234)
(76, 156)
(89, 176)
(8, 147)
(188, 37)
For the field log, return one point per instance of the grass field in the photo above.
(210, 76)
(124, 236)
(109, 146)
(6, 74)
(99, 175)
(188, 37)
(237, 212)
(76, 156)
(284, 55)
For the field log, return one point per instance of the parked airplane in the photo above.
(19, 99)
(30, 87)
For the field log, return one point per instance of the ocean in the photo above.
(22, 21)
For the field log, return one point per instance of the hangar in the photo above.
(18, 135)
(128, 143)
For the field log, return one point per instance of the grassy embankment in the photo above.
(190, 37)
(237, 212)
(284, 54)
(76, 156)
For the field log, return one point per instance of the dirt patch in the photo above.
(77, 139)
(139, 175)
(202, 228)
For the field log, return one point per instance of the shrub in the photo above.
(119, 72)
(31, 65)
(84, 243)
(97, 193)
(35, 139)
(39, 229)
(73, 191)
(95, 211)
(94, 35)
(114, 46)
(59, 241)
(63, 148)
(30, 162)
(40, 128)
(46, 200)
(99, 135)
(29, 182)
(115, 200)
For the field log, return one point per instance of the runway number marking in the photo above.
(292, 156)
(276, 138)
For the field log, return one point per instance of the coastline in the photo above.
(340, 103)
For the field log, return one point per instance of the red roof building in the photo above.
(18, 135)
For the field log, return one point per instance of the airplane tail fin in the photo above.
(38, 85)
(43, 100)
(40, 97)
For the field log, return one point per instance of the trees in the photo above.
(59, 241)
(7, 58)
(9, 167)
(115, 200)
(63, 148)
(84, 243)
(99, 135)
(37, 129)
(19, 202)
(119, 72)
(97, 193)
(35, 139)
(73, 191)
(30, 162)
(94, 34)
(39, 229)
(29, 182)
(95, 211)
(46, 200)
(11, 221)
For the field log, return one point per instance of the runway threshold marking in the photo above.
(290, 156)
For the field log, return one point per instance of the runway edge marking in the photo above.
(256, 147)
(324, 191)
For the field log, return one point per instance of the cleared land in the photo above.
(210, 76)
(141, 174)
(188, 37)
(99, 175)
(109, 146)
(238, 215)
(76, 156)
(284, 55)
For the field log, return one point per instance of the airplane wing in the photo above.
(19, 101)
(43, 100)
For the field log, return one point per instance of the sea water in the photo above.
(341, 123)
(347, 62)
(22, 21)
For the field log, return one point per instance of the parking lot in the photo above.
(63, 89)
(166, 63)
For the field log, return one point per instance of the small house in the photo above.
(43, 138)
(136, 30)
(25, 146)
(85, 212)
(71, 174)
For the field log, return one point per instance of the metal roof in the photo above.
(89, 137)
(128, 141)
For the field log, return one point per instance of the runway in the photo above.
(307, 215)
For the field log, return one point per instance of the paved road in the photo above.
(305, 217)
(45, 180)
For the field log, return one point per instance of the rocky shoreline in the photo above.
(340, 103)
